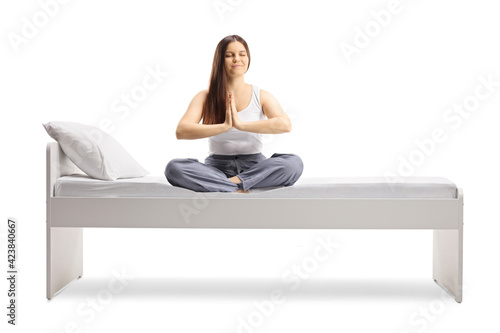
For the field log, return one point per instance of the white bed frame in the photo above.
(67, 216)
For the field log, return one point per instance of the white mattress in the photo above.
(331, 187)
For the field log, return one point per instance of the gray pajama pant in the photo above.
(254, 170)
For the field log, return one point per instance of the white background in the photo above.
(351, 116)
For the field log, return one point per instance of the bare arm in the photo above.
(277, 122)
(189, 127)
(274, 125)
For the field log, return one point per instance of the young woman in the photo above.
(234, 119)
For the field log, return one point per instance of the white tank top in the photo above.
(234, 141)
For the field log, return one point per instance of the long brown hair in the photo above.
(214, 107)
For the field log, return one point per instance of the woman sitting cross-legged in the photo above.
(234, 118)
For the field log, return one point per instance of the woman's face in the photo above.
(236, 59)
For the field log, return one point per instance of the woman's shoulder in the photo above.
(201, 95)
(265, 96)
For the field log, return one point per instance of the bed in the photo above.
(76, 201)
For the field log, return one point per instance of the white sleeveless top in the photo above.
(234, 141)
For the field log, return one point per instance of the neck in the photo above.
(236, 83)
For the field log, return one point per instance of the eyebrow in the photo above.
(232, 51)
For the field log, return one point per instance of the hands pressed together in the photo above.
(232, 119)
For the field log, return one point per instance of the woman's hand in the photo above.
(229, 118)
(237, 123)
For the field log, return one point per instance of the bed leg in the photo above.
(64, 257)
(448, 257)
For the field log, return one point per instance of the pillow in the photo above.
(94, 151)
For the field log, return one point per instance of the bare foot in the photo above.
(235, 179)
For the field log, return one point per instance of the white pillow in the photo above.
(95, 152)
